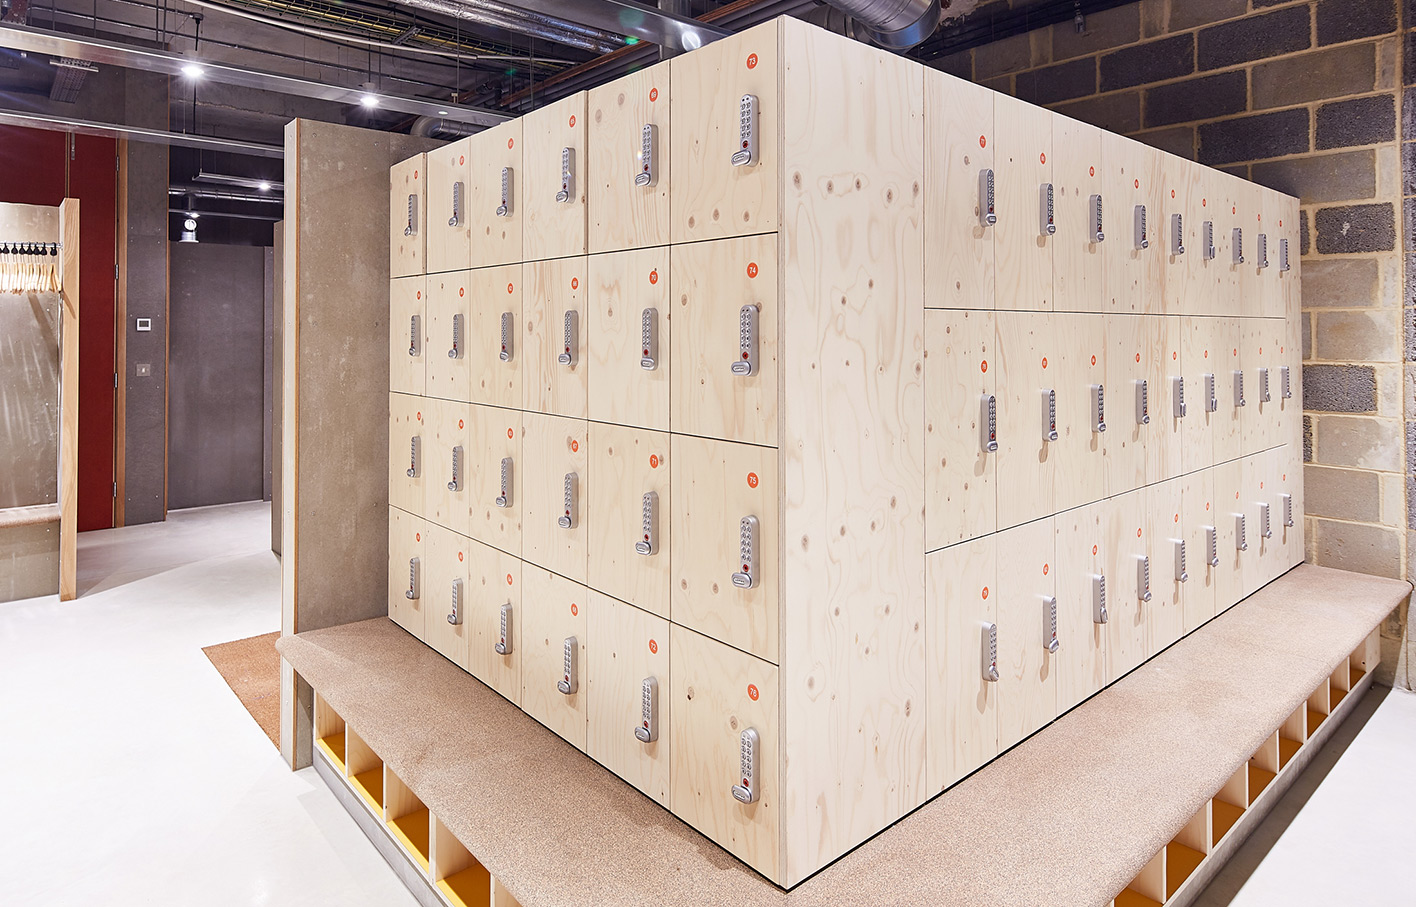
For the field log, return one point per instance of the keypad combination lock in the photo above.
(570, 341)
(1177, 235)
(504, 487)
(1049, 415)
(1241, 534)
(456, 351)
(647, 731)
(507, 337)
(1263, 251)
(415, 587)
(504, 637)
(570, 513)
(1265, 527)
(746, 153)
(988, 424)
(1182, 573)
(1283, 263)
(411, 228)
(987, 212)
(1237, 239)
(454, 617)
(415, 336)
(1207, 240)
(1285, 383)
(456, 219)
(648, 524)
(1143, 578)
(415, 457)
(988, 654)
(648, 175)
(456, 482)
(1097, 234)
(569, 683)
(566, 195)
(1099, 612)
(1143, 414)
(1049, 624)
(745, 365)
(1264, 395)
(504, 209)
(748, 764)
(1212, 546)
(1177, 383)
(1211, 396)
(1239, 388)
(746, 578)
(1047, 213)
(1142, 236)
(1287, 500)
(649, 339)
(1098, 393)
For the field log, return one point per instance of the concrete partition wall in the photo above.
(334, 418)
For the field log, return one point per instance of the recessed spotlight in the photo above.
(264, 186)
(192, 71)
(369, 101)
(442, 113)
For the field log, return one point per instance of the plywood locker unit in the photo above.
(631, 501)
(629, 338)
(725, 505)
(724, 711)
(1227, 346)
(1029, 642)
(958, 163)
(1165, 441)
(1026, 203)
(1235, 548)
(493, 587)
(1027, 459)
(1126, 437)
(555, 162)
(961, 623)
(1078, 258)
(494, 467)
(445, 594)
(407, 216)
(1127, 547)
(724, 336)
(449, 221)
(446, 356)
(446, 456)
(1179, 235)
(1198, 356)
(1080, 450)
(555, 364)
(960, 475)
(629, 194)
(555, 638)
(493, 334)
(1165, 529)
(406, 570)
(629, 696)
(555, 487)
(725, 121)
(407, 335)
(1131, 196)
(495, 194)
(1199, 528)
(407, 476)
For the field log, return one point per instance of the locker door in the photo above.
(1081, 559)
(629, 205)
(1228, 488)
(1260, 342)
(1078, 263)
(1165, 437)
(629, 647)
(446, 460)
(1198, 358)
(958, 152)
(556, 213)
(1027, 460)
(1126, 437)
(407, 215)
(1271, 275)
(1290, 482)
(1197, 517)
(960, 480)
(554, 615)
(724, 383)
(494, 581)
(1266, 548)
(627, 559)
(407, 335)
(1164, 527)
(1249, 200)
(493, 329)
(445, 627)
(627, 291)
(1217, 291)
(449, 336)
(1127, 631)
(406, 570)
(719, 694)
(555, 487)
(495, 194)
(1024, 173)
(448, 217)
(1133, 273)
(960, 604)
(1027, 667)
(1290, 279)
(717, 486)
(407, 452)
(1228, 342)
(725, 180)
(494, 517)
(1180, 241)
(555, 376)
(1080, 450)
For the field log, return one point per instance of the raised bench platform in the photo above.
(1070, 816)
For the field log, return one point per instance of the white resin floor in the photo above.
(134, 776)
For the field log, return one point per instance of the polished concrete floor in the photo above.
(133, 776)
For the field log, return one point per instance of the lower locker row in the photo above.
(671, 711)
(683, 527)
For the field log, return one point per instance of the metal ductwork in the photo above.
(896, 25)
(523, 20)
(439, 128)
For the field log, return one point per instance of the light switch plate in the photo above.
(144, 324)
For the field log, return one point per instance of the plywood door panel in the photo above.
(626, 464)
(495, 295)
(960, 476)
(554, 228)
(960, 602)
(1182, 283)
(445, 430)
(405, 543)
(1258, 477)
(1081, 661)
(446, 554)
(1164, 528)
(715, 485)
(1259, 343)
(1080, 342)
(407, 216)
(959, 146)
(712, 197)
(1133, 274)
(494, 580)
(1198, 356)
(1197, 514)
(1128, 346)
(1228, 491)
(1215, 281)
(1290, 482)
(628, 646)
(407, 335)
(712, 281)
(1271, 278)
(624, 215)
(553, 447)
(548, 385)
(1127, 631)
(449, 226)
(1027, 462)
(1290, 280)
(1248, 213)
(1165, 437)
(1027, 681)
(1078, 262)
(554, 609)
(623, 286)
(446, 369)
(496, 238)
(718, 693)
(405, 430)
(494, 434)
(1023, 252)
(1228, 344)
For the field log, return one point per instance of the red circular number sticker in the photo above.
(508, 579)
(461, 291)
(574, 609)
(1044, 362)
(653, 461)
(510, 143)
(575, 283)
(985, 593)
(752, 480)
(752, 64)
(983, 141)
(752, 692)
(1172, 193)
(653, 95)
(1093, 550)
(459, 423)
(1233, 209)
(654, 276)
(509, 433)
(459, 557)
(572, 119)
(1044, 569)
(1207, 354)
(1138, 532)
(1138, 184)
(509, 288)
(1093, 360)
(1138, 357)
(752, 269)
(1042, 158)
(1175, 355)
(1204, 203)
(574, 446)
(420, 294)
(1091, 171)
(653, 647)
(420, 415)
(417, 536)
(415, 176)
(1177, 517)
(461, 160)
(983, 366)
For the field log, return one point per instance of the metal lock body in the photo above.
(748, 766)
(1212, 546)
(504, 209)
(415, 458)
(648, 524)
(1142, 236)
(1099, 612)
(566, 195)
(1143, 578)
(648, 175)
(504, 635)
(988, 424)
(1241, 533)
(1177, 234)
(1098, 394)
(1264, 395)
(456, 218)
(1049, 624)
(456, 483)
(745, 365)
(649, 339)
(647, 730)
(415, 586)
(1263, 251)
(1287, 501)
(1143, 416)
(1047, 213)
(1211, 397)
(570, 516)
(1182, 574)
(1096, 232)
(508, 333)
(1049, 415)
(746, 153)
(1239, 388)
(569, 683)
(457, 350)
(987, 210)
(1265, 526)
(455, 616)
(1283, 263)
(570, 342)
(1237, 240)
(988, 651)
(504, 498)
(411, 229)
(748, 531)
(1207, 240)
(1285, 383)
(1177, 383)
(415, 336)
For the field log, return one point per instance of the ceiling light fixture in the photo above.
(369, 101)
(192, 71)
(264, 186)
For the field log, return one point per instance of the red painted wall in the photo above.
(34, 168)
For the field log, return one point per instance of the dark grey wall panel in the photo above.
(29, 399)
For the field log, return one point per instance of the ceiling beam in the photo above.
(136, 133)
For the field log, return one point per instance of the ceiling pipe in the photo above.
(524, 20)
(639, 20)
(439, 128)
(896, 25)
(137, 134)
